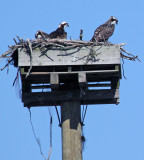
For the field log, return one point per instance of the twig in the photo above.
(122, 44)
(30, 47)
(15, 41)
(123, 68)
(16, 77)
(67, 54)
(37, 140)
(130, 58)
(20, 40)
(6, 53)
(44, 53)
(81, 34)
(6, 65)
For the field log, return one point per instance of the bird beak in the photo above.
(116, 21)
(67, 25)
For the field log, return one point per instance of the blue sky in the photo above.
(112, 132)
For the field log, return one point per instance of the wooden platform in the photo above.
(88, 75)
(98, 55)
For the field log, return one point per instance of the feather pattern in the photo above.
(104, 31)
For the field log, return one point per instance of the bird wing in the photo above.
(58, 34)
(106, 32)
(41, 34)
(103, 32)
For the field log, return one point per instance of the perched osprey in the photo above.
(58, 33)
(104, 31)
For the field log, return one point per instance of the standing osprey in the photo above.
(58, 33)
(104, 31)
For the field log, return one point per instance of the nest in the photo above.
(55, 44)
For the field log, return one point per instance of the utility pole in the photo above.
(71, 130)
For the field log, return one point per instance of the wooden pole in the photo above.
(71, 130)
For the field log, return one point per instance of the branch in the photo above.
(16, 77)
(122, 44)
(127, 57)
(123, 68)
(9, 61)
(30, 47)
(81, 34)
(20, 40)
(6, 53)
(15, 41)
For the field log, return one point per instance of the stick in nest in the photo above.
(127, 57)
(9, 61)
(123, 68)
(81, 34)
(30, 47)
(16, 77)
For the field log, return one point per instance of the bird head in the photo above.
(63, 25)
(114, 20)
(38, 35)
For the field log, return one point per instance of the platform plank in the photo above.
(52, 98)
(101, 55)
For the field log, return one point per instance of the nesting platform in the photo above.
(88, 74)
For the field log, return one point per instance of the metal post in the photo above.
(71, 130)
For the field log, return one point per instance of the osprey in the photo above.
(58, 33)
(104, 31)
